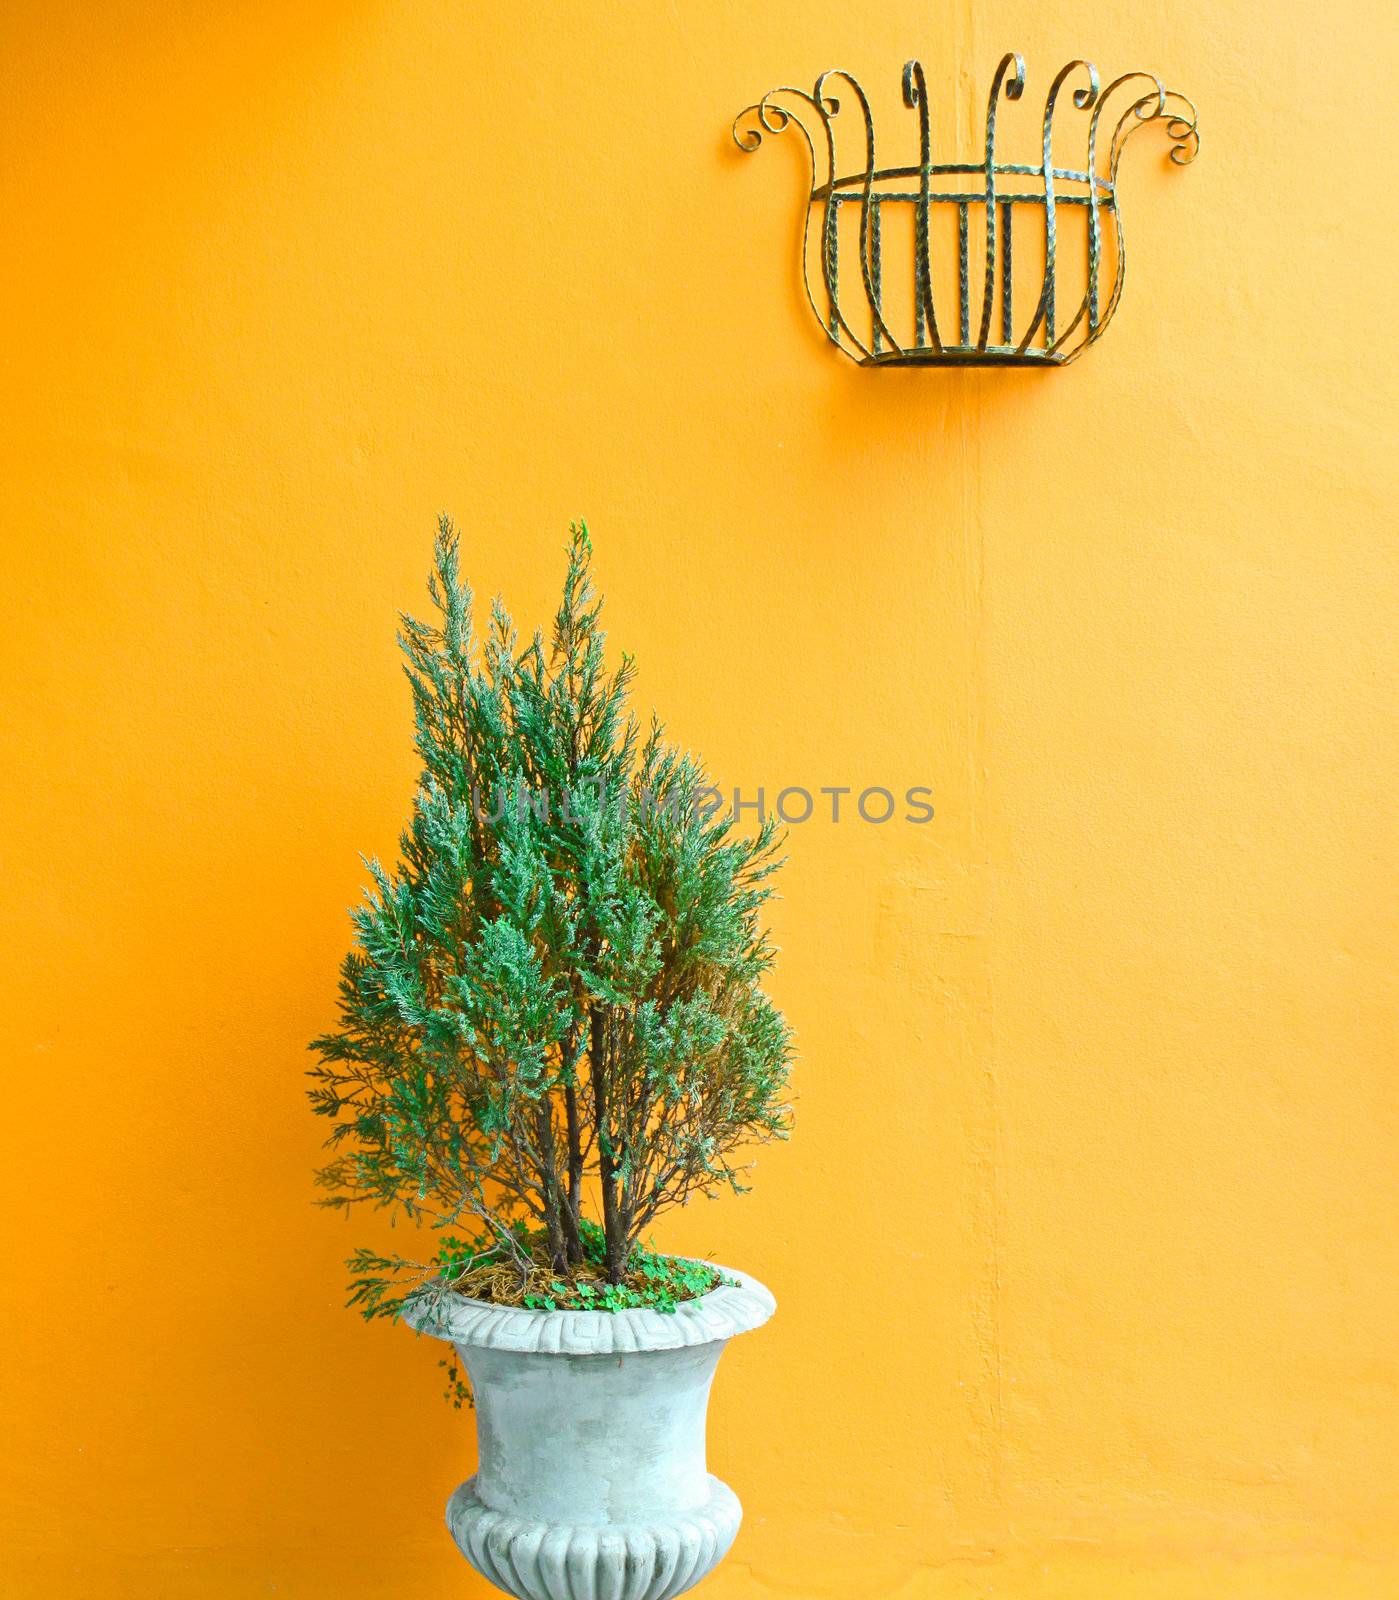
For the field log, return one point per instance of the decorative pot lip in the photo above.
(736, 1306)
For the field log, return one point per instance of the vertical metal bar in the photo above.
(920, 272)
(876, 277)
(963, 283)
(1010, 77)
(925, 317)
(921, 322)
(1050, 264)
(1007, 211)
(1095, 247)
(830, 247)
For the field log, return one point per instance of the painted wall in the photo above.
(1085, 1247)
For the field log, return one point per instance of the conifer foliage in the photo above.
(552, 1025)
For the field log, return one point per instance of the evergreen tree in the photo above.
(553, 1016)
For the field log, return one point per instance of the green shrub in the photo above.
(553, 1012)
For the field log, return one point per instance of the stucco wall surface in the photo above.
(1084, 1249)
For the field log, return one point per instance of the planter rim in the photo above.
(732, 1308)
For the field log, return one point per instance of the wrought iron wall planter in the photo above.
(977, 323)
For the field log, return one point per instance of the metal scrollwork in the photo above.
(998, 191)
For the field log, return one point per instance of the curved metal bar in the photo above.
(1089, 306)
(916, 97)
(1095, 241)
(820, 96)
(1138, 111)
(1083, 99)
(1183, 131)
(774, 118)
(1014, 87)
(1075, 322)
(970, 168)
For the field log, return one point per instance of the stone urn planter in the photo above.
(592, 1483)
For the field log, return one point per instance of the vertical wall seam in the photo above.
(989, 1160)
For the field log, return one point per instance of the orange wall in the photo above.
(1085, 1245)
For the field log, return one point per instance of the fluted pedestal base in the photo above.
(590, 1561)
